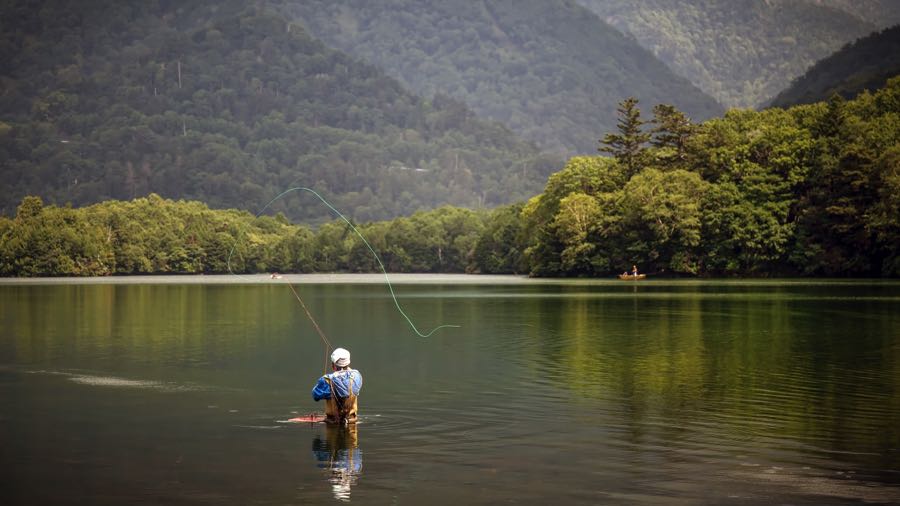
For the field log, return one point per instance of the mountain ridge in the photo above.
(865, 64)
(231, 104)
(742, 52)
(552, 71)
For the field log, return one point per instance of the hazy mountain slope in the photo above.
(742, 52)
(881, 13)
(214, 101)
(866, 64)
(549, 69)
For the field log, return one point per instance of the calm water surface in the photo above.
(176, 391)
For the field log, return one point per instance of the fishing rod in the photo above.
(309, 315)
(369, 246)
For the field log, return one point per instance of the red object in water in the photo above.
(310, 418)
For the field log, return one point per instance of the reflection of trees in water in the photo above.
(162, 323)
(770, 361)
(340, 455)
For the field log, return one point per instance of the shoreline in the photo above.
(255, 279)
(418, 279)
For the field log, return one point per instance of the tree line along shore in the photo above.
(813, 190)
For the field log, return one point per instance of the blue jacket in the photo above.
(343, 380)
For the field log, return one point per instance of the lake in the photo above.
(177, 390)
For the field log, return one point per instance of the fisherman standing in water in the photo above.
(339, 389)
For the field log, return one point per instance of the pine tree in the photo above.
(627, 146)
(673, 129)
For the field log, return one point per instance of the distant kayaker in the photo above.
(634, 271)
(339, 389)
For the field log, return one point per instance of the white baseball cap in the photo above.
(340, 357)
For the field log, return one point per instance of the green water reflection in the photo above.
(812, 366)
(653, 383)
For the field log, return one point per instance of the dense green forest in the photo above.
(742, 52)
(811, 190)
(229, 105)
(155, 235)
(549, 69)
(863, 65)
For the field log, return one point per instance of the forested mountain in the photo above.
(229, 104)
(864, 65)
(812, 190)
(881, 13)
(742, 52)
(549, 69)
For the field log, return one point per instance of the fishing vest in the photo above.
(340, 410)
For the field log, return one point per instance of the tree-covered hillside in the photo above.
(549, 69)
(742, 52)
(812, 190)
(866, 64)
(230, 105)
(881, 13)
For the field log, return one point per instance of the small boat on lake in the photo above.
(633, 277)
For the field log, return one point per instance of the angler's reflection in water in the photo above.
(339, 453)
